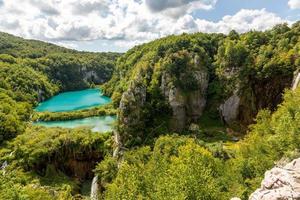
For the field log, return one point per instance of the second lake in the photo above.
(78, 100)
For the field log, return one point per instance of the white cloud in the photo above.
(125, 23)
(176, 8)
(294, 4)
(242, 21)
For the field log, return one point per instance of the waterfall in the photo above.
(3, 166)
(118, 144)
(296, 81)
(94, 188)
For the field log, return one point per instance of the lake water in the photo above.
(77, 100)
(96, 124)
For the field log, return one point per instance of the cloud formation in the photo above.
(242, 21)
(125, 23)
(294, 4)
(176, 8)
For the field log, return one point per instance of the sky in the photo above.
(118, 25)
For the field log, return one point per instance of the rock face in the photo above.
(130, 110)
(186, 107)
(280, 183)
(296, 81)
(94, 188)
(246, 101)
(229, 110)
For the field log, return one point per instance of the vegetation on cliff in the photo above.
(45, 163)
(172, 97)
(167, 84)
(50, 163)
(32, 71)
(185, 167)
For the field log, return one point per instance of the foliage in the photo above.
(40, 161)
(104, 110)
(177, 168)
(182, 167)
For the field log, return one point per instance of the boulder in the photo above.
(280, 183)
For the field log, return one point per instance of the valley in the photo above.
(190, 116)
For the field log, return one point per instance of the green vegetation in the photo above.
(32, 71)
(44, 163)
(152, 85)
(44, 160)
(257, 66)
(79, 114)
(183, 167)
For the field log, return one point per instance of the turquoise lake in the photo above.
(77, 100)
(96, 124)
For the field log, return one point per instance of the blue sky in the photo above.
(230, 7)
(117, 25)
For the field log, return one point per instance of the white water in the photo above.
(296, 82)
(94, 188)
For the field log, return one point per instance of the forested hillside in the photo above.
(171, 83)
(32, 71)
(43, 163)
(200, 116)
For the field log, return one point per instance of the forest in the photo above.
(199, 116)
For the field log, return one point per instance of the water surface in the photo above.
(97, 124)
(77, 100)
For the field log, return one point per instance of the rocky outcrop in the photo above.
(130, 111)
(280, 183)
(93, 77)
(229, 110)
(296, 81)
(94, 188)
(248, 99)
(186, 106)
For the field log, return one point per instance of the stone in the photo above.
(296, 81)
(94, 188)
(130, 110)
(230, 108)
(186, 107)
(280, 183)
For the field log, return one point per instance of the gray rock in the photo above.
(230, 108)
(94, 188)
(280, 183)
(92, 76)
(40, 95)
(296, 81)
(189, 106)
(130, 110)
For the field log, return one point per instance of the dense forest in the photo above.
(200, 116)
(32, 158)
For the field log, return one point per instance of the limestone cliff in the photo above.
(252, 96)
(186, 105)
(280, 183)
(296, 81)
(130, 111)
